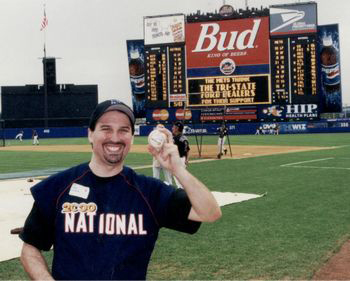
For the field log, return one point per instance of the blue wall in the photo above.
(324, 126)
(306, 127)
(65, 132)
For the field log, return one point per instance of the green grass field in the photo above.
(288, 234)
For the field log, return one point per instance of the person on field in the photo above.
(102, 218)
(157, 168)
(183, 147)
(35, 137)
(19, 136)
(223, 131)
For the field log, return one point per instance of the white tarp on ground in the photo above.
(16, 202)
(226, 198)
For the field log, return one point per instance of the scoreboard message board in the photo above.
(234, 90)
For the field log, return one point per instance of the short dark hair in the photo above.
(179, 125)
(110, 105)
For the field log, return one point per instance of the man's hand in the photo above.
(168, 155)
(204, 206)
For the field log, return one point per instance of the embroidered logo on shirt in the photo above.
(81, 218)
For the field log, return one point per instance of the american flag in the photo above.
(44, 22)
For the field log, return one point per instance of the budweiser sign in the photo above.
(216, 39)
(245, 41)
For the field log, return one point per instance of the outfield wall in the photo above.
(304, 127)
(335, 126)
(55, 132)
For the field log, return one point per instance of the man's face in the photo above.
(175, 130)
(111, 139)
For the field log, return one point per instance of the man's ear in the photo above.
(90, 135)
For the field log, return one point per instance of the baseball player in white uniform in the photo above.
(19, 136)
(157, 167)
(35, 138)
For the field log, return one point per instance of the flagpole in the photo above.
(43, 28)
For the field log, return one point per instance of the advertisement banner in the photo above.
(246, 113)
(290, 112)
(164, 29)
(170, 115)
(272, 113)
(135, 49)
(293, 19)
(329, 68)
(228, 47)
(294, 128)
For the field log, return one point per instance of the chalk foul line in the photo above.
(314, 167)
(308, 161)
(297, 164)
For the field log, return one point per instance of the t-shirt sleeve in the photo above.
(37, 231)
(178, 210)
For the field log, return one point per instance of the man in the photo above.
(19, 136)
(101, 217)
(277, 129)
(35, 137)
(221, 141)
(183, 146)
(156, 167)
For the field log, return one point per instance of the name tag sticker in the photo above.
(79, 191)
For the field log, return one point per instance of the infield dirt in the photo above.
(207, 151)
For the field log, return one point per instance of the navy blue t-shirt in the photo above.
(103, 228)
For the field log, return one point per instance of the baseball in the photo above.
(156, 139)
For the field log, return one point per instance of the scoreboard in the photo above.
(165, 79)
(257, 65)
(165, 61)
(280, 70)
(157, 77)
(294, 68)
(303, 69)
(177, 77)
